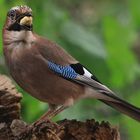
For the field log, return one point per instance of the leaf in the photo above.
(135, 11)
(131, 125)
(121, 61)
(77, 35)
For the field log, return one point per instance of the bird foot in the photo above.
(39, 126)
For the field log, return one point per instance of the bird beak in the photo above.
(27, 20)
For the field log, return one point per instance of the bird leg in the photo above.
(53, 111)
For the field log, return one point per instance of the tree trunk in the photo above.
(12, 127)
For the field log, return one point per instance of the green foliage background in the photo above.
(103, 36)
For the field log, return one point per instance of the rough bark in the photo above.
(12, 127)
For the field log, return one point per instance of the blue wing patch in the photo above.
(65, 71)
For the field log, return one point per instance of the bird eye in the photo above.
(12, 14)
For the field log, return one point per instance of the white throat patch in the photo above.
(17, 36)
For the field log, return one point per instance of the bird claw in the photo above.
(44, 123)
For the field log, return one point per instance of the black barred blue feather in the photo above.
(65, 71)
(71, 71)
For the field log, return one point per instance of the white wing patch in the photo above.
(87, 73)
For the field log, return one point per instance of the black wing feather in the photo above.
(80, 69)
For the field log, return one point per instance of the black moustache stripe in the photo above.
(17, 27)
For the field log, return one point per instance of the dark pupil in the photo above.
(12, 14)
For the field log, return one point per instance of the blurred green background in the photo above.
(105, 37)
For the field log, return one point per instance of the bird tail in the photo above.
(124, 107)
(105, 95)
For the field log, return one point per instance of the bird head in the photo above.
(19, 18)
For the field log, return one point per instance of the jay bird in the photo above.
(47, 72)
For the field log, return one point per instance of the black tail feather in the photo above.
(125, 108)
